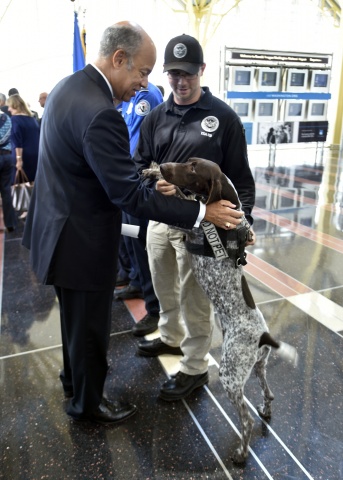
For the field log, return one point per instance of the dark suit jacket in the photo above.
(85, 177)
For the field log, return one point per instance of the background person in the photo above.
(24, 136)
(42, 99)
(191, 123)
(85, 177)
(14, 91)
(134, 113)
(3, 106)
(6, 173)
(161, 89)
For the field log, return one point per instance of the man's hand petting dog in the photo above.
(221, 213)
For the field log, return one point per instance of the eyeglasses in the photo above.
(178, 75)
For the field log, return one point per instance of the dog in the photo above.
(216, 258)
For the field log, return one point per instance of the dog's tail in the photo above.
(284, 350)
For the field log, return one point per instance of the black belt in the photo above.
(5, 152)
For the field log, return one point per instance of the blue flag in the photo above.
(78, 52)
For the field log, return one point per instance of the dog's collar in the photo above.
(201, 198)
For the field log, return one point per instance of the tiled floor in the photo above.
(296, 275)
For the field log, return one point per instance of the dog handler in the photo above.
(191, 123)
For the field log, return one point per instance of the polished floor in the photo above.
(295, 271)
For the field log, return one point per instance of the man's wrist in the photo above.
(201, 215)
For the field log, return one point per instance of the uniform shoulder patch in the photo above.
(142, 108)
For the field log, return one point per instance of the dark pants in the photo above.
(85, 326)
(7, 169)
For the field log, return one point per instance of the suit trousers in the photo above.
(186, 314)
(85, 326)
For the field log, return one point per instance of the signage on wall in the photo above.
(312, 131)
(279, 57)
(275, 133)
(279, 95)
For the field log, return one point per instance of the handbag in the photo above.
(21, 191)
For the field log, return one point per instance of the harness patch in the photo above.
(214, 240)
(219, 243)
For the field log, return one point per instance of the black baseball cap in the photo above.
(183, 53)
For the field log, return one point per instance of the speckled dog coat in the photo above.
(246, 339)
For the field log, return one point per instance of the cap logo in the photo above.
(210, 124)
(180, 50)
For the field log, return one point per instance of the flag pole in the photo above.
(78, 50)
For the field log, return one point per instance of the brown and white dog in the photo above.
(218, 269)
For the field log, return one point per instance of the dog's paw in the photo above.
(289, 353)
(264, 411)
(239, 458)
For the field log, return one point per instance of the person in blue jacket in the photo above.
(134, 112)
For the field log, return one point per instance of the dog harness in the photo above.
(219, 243)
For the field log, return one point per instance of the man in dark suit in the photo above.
(85, 178)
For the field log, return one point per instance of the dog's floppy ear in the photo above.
(215, 190)
(229, 192)
(221, 188)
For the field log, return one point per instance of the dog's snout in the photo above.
(166, 166)
(167, 170)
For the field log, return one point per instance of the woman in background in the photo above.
(6, 173)
(24, 136)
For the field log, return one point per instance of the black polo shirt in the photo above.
(208, 129)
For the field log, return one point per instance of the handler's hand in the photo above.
(166, 188)
(223, 215)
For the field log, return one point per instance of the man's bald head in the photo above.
(127, 56)
(127, 36)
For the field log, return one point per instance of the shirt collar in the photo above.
(108, 83)
(204, 101)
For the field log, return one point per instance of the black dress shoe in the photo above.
(181, 386)
(156, 347)
(128, 293)
(147, 325)
(108, 413)
(68, 392)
